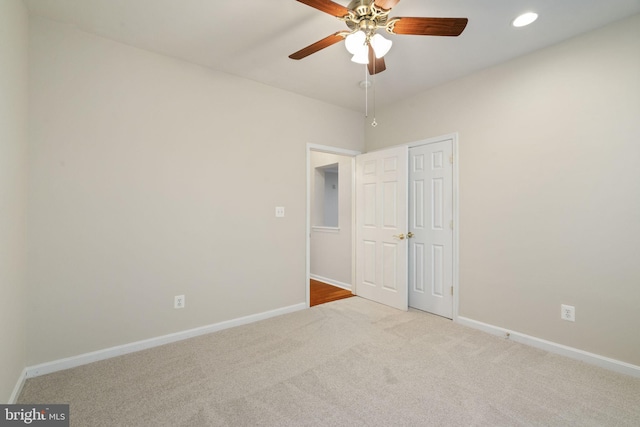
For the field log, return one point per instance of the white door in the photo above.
(381, 226)
(431, 222)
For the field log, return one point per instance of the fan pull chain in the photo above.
(373, 83)
(366, 92)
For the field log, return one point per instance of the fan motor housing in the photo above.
(360, 7)
(365, 16)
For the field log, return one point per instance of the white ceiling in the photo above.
(253, 38)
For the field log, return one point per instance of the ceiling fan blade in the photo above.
(376, 65)
(427, 26)
(319, 45)
(386, 4)
(327, 6)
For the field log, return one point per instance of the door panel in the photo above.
(430, 217)
(381, 214)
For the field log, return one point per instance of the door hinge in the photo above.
(452, 290)
(451, 224)
(451, 159)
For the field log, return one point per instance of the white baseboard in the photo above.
(552, 347)
(18, 388)
(330, 281)
(83, 359)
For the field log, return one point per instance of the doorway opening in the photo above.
(394, 241)
(330, 221)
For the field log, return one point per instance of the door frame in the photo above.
(343, 152)
(456, 210)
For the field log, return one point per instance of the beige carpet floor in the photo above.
(346, 363)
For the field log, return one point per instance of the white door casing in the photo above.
(431, 222)
(381, 224)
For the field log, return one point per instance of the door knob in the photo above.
(399, 236)
(409, 235)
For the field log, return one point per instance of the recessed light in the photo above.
(525, 19)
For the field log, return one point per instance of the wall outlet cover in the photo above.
(178, 301)
(568, 312)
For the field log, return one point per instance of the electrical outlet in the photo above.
(279, 211)
(178, 301)
(568, 312)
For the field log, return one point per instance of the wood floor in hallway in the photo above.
(320, 292)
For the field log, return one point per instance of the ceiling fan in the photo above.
(364, 18)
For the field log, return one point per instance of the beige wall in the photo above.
(331, 251)
(152, 177)
(549, 149)
(14, 38)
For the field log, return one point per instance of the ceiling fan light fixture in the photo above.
(524, 19)
(364, 18)
(354, 42)
(361, 56)
(380, 45)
